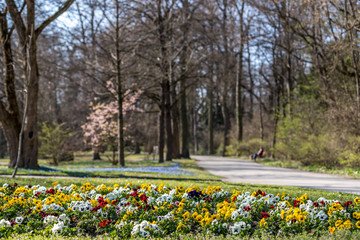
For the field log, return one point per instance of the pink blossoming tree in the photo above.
(101, 128)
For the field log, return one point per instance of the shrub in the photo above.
(298, 141)
(246, 148)
(53, 137)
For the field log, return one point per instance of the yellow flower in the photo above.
(357, 224)
(348, 224)
(55, 184)
(74, 187)
(356, 215)
(263, 222)
(194, 215)
(124, 217)
(338, 223)
(186, 215)
(297, 211)
(38, 207)
(282, 214)
(332, 230)
(357, 200)
(301, 218)
(180, 226)
(198, 218)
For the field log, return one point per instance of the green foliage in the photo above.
(298, 141)
(252, 146)
(53, 138)
(350, 157)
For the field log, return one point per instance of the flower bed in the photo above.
(150, 210)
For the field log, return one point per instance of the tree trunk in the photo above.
(196, 142)
(240, 76)
(137, 148)
(261, 116)
(2, 144)
(176, 131)
(239, 95)
(11, 132)
(30, 159)
(9, 115)
(96, 154)
(211, 120)
(185, 153)
(168, 127)
(120, 119)
(162, 130)
(226, 115)
(113, 148)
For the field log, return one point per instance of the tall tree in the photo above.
(28, 34)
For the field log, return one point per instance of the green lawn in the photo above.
(84, 166)
(348, 172)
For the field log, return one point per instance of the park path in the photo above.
(245, 171)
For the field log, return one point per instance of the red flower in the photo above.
(247, 208)
(322, 203)
(315, 204)
(348, 203)
(296, 203)
(104, 223)
(143, 198)
(271, 207)
(265, 215)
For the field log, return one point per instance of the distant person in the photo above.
(260, 153)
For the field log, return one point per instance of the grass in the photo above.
(83, 161)
(347, 172)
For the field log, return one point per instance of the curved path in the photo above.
(244, 171)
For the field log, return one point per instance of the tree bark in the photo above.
(96, 155)
(168, 127)
(9, 114)
(176, 131)
(121, 154)
(211, 119)
(185, 153)
(161, 130)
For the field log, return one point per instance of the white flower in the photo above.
(50, 219)
(58, 228)
(64, 218)
(234, 215)
(19, 220)
(4, 223)
(144, 233)
(5, 185)
(245, 214)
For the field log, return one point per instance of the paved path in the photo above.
(245, 171)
